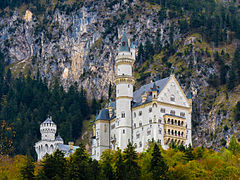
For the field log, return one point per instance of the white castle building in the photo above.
(159, 110)
(49, 144)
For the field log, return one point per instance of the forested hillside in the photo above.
(26, 102)
(53, 51)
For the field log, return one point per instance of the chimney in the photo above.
(110, 111)
(70, 145)
(144, 97)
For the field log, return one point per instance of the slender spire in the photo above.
(124, 43)
(154, 87)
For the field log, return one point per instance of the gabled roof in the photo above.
(146, 88)
(124, 43)
(137, 97)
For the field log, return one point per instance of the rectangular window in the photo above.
(123, 131)
(182, 114)
(138, 136)
(113, 126)
(140, 124)
(140, 113)
(123, 115)
(150, 121)
(150, 110)
(162, 110)
(148, 133)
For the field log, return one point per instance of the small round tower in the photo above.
(48, 129)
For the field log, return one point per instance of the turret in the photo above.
(124, 82)
(48, 129)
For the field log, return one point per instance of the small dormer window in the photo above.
(172, 98)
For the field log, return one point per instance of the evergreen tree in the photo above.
(27, 171)
(236, 112)
(78, 166)
(106, 167)
(158, 166)
(54, 166)
(234, 146)
(94, 169)
(189, 153)
(132, 170)
(141, 53)
(119, 166)
(232, 80)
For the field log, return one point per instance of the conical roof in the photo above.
(124, 44)
(48, 120)
(154, 87)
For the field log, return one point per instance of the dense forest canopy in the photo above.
(25, 104)
(155, 163)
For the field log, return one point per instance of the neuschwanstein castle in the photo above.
(159, 110)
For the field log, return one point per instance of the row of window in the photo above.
(175, 122)
(175, 133)
(162, 110)
(140, 144)
(148, 133)
(178, 142)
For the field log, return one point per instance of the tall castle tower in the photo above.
(124, 82)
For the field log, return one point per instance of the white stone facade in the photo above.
(48, 143)
(158, 111)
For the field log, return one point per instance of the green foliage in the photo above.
(53, 166)
(236, 112)
(158, 165)
(26, 102)
(132, 170)
(27, 170)
(78, 165)
(234, 146)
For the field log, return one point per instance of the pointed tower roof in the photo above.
(124, 43)
(154, 87)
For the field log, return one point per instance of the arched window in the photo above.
(140, 113)
(150, 110)
(172, 112)
(172, 98)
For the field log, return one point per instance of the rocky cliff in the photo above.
(77, 42)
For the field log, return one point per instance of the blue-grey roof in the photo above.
(66, 148)
(146, 88)
(103, 115)
(58, 138)
(154, 87)
(137, 97)
(124, 43)
(47, 121)
(175, 116)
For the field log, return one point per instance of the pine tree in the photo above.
(234, 146)
(158, 166)
(27, 171)
(119, 166)
(79, 164)
(132, 170)
(141, 53)
(106, 167)
(189, 153)
(54, 166)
